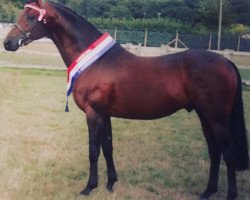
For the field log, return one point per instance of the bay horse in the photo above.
(120, 84)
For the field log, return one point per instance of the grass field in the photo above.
(44, 151)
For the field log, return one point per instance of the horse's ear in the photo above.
(40, 3)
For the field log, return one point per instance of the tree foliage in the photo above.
(196, 13)
(8, 11)
(185, 11)
(210, 10)
(242, 9)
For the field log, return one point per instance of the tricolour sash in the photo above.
(86, 58)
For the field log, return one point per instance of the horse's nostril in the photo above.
(7, 44)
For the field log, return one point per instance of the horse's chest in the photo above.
(97, 96)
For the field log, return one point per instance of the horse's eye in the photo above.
(31, 17)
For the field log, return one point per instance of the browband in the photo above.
(41, 11)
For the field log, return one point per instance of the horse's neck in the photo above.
(71, 40)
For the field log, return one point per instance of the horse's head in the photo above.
(30, 26)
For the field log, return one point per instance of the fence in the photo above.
(197, 41)
(156, 39)
(242, 59)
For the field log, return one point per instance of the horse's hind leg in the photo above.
(219, 140)
(215, 156)
(224, 139)
(232, 185)
(107, 148)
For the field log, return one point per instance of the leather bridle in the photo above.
(41, 18)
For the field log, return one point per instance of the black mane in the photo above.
(75, 19)
(65, 10)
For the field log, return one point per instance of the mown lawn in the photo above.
(245, 73)
(29, 58)
(44, 151)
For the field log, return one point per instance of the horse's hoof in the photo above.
(232, 196)
(110, 185)
(87, 190)
(207, 194)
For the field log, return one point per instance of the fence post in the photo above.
(146, 37)
(176, 39)
(238, 49)
(115, 34)
(210, 42)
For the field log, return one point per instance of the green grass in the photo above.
(31, 59)
(44, 151)
(241, 60)
(245, 73)
(34, 72)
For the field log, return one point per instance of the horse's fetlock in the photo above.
(232, 195)
(88, 189)
(208, 193)
(110, 184)
(230, 154)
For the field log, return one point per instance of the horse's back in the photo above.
(191, 79)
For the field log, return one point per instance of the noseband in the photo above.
(26, 35)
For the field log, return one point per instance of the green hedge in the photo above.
(8, 12)
(155, 25)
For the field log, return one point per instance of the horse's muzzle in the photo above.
(10, 45)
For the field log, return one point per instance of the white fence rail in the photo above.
(165, 50)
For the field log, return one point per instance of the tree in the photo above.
(120, 11)
(94, 8)
(242, 9)
(138, 8)
(183, 10)
(63, 2)
(192, 4)
(198, 13)
(8, 12)
(77, 6)
(210, 9)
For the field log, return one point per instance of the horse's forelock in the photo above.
(29, 1)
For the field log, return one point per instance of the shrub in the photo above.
(8, 12)
(239, 29)
(162, 24)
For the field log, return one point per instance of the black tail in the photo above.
(238, 127)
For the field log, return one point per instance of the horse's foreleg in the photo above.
(95, 125)
(215, 156)
(107, 148)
